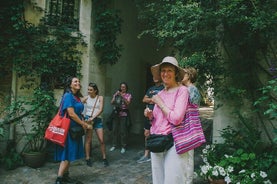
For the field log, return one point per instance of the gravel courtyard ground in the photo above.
(123, 168)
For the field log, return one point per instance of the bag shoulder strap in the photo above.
(61, 104)
(94, 105)
(175, 98)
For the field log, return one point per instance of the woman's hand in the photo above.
(151, 101)
(89, 127)
(148, 113)
(146, 133)
(90, 120)
(156, 99)
(117, 93)
(86, 126)
(84, 99)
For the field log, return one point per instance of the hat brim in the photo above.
(155, 70)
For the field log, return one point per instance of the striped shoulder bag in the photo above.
(189, 134)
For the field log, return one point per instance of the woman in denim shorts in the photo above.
(94, 105)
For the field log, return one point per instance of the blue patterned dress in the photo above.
(73, 149)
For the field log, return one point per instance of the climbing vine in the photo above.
(37, 50)
(44, 55)
(108, 27)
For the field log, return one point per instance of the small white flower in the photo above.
(242, 171)
(267, 182)
(238, 183)
(263, 174)
(230, 169)
(204, 169)
(205, 151)
(221, 171)
(253, 175)
(227, 179)
(215, 173)
(216, 167)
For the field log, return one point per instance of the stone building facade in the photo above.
(132, 68)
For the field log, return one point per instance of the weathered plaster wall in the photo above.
(34, 10)
(85, 22)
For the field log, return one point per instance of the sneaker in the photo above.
(67, 179)
(143, 159)
(112, 148)
(89, 162)
(59, 180)
(105, 162)
(123, 150)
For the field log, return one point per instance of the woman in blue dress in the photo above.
(73, 149)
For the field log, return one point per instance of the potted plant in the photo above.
(42, 109)
(33, 114)
(211, 170)
(223, 165)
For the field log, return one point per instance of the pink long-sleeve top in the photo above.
(177, 102)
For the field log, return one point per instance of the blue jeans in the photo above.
(120, 131)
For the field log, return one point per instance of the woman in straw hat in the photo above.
(170, 108)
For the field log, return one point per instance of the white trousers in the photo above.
(171, 168)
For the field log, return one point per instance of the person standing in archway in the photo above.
(121, 99)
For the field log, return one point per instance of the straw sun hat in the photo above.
(171, 60)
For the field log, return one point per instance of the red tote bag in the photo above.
(58, 129)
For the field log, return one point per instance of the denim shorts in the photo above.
(97, 122)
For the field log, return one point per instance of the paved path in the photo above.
(123, 168)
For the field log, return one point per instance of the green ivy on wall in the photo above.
(108, 27)
(37, 50)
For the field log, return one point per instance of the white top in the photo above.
(90, 104)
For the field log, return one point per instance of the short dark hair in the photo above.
(125, 85)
